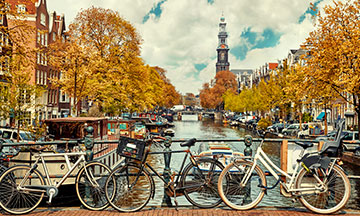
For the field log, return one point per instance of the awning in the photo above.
(321, 116)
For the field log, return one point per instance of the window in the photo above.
(1, 19)
(42, 58)
(21, 8)
(5, 65)
(46, 39)
(42, 39)
(42, 19)
(54, 36)
(45, 59)
(37, 77)
(2, 39)
(41, 77)
(63, 97)
(38, 58)
(38, 37)
(27, 97)
(45, 78)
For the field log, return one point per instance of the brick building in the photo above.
(48, 28)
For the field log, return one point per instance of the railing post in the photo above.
(248, 152)
(167, 171)
(89, 143)
(248, 143)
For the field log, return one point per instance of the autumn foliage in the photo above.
(211, 95)
(101, 62)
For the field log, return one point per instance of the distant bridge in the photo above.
(191, 115)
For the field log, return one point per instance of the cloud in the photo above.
(180, 35)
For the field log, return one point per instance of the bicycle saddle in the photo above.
(188, 143)
(305, 145)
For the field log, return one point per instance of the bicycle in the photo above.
(23, 187)
(134, 185)
(321, 185)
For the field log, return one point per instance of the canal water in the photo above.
(210, 129)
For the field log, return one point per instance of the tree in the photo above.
(212, 97)
(107, 62)
(334, 52)
(18, 92)
(170, 96)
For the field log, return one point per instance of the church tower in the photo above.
(222, 49)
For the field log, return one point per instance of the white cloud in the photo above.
(186, 32)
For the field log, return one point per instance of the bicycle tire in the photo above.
(16, 201)
(241, 197)
(333, 198)
(90, 185)
(124, 195)
(204, 193)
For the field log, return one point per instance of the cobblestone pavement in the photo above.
(267, 211)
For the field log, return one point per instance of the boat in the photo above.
(67, 129)
(219, 149)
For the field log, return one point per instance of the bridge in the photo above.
(190, 115)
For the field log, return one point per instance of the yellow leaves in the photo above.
(334, 45)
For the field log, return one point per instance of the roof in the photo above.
(242, 71)
(75, 119)
(273, 66)
(30, 5)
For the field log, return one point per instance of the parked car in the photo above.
(278, 127)
(357, 152)
(291, 130)
(177, 108)
(330, 136)
(12, 134)
(350, 141)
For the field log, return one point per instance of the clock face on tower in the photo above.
(222, 56)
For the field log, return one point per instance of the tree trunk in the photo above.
(325, 122)
(357, 109)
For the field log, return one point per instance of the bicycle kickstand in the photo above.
(175, 201)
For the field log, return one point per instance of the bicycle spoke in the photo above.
(20, 201)
(329, 199)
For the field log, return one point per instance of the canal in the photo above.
(210, 129)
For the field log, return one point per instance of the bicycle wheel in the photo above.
(237, 196)
(327, 201)
(90, 185)
(131, 190)
(200, 183)
(20, 201)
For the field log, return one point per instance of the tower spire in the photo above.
(222, 49)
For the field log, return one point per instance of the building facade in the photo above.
(48, 28)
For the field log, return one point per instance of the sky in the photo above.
(181, 35)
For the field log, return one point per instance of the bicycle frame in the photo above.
(188, 154)
(41, 157)
(187, 151)
(270, 166)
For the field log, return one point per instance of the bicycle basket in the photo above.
(131, 148)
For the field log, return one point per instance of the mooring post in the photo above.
(167, 171)
(89, 143)
(248, 143)
(248, 152)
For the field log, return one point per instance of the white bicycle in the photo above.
(317, 181)
(23, 187)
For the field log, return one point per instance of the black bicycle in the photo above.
(134, 185)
